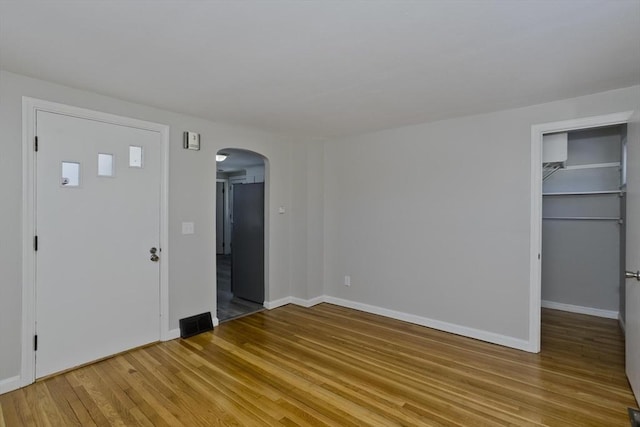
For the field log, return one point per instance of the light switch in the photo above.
(187, 228)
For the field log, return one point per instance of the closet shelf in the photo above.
(585, 218)
(583, 193)
(592, 166)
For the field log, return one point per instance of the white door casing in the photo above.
(632, 294)
(74, 312)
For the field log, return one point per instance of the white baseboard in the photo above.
(10, 384)
(215, 321)
(609, 314)
(308, 302)
(270, 305)
(172, 334)
(423, 321)
(623, 326)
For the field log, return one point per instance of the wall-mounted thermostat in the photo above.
(191, 141)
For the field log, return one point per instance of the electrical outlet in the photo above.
(347, 280)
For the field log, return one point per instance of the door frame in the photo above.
(535, 264)
(30, 106)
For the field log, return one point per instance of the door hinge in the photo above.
(539, 256)
(35, 144)
(35, 243)
(35, 343)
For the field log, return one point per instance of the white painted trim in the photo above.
(27, 368)
(172, 334)
(164, 232)
(29, 108)
(214, 321)
(435, 324)
(623, 326)
(535, 227)
(308, 302)
(609, 314)
(10, 384)
(270, 305)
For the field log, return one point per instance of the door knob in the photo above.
(154, 257)
(632, 275)
(153, 250)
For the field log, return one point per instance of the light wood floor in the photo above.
(329, 365)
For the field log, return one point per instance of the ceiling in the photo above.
(238, 160)
(326, 68)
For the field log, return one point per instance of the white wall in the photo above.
(191, 198)
(307, 255)
(433, 220)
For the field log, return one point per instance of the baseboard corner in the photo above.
(270, 305)
(622, 324)
(172, 334)
(308, 302)
(11, 384)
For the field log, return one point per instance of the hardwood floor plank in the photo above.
(9, 408)
(328, 366)
(63, 395)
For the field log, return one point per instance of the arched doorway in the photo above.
(240, 232)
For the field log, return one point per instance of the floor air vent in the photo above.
(190, 326)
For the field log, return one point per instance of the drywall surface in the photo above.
(581, 263)
(581, 258)
(433, 220)
(307, 224)
(192, 177)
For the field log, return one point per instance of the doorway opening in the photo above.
(583, 226)
(240, 233)
(577, 182)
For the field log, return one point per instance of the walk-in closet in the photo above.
(583, 227)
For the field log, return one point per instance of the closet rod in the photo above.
(585, 218)
(593, 166)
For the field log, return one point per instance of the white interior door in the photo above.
(632, 312)
(97, 217)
